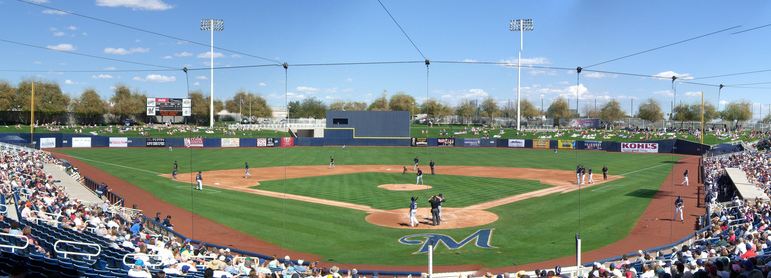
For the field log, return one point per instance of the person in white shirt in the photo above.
(139, 270)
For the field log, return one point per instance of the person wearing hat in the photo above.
(413, 211)
(139, 270)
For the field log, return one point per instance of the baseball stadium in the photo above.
(173, 156)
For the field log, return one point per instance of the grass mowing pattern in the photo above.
(527, 231)
(361, 188)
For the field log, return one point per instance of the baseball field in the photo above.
(345, 214)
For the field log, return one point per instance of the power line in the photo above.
(147, 31)
(236, 67)
(501, 64)
(356, 63)
(85, 71)
(734, 74)
(751, 29)
(663, 46)
(85, 55)
(402, 29)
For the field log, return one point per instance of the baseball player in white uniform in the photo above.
(685, 178)
(199, 181)
(413, 212)
(591, 176)
(679, 209)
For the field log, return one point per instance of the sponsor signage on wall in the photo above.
(287, 142)
(516, 143)
(194, 142)
(445, 142)
(639, 147)
(230, 142)
(419, 142)
(155, 142)
(81, 142)
(471, 142)
(47, 142)
(565, 144)
(118, 142)
(541, 143)
(593, 145)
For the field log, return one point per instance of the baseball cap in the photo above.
(139, 262)
(185, 268)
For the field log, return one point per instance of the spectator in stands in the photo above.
(167, 222)
(139, 270)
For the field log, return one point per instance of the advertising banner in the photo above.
(287, 142)
(155, 142)
(194, 142)
(516, 143)
(230, 142)
(445, 141)
(541, 143)
(47, 142)
(566, 144)
(118, 142)
(263, 142)
(585, 123)
(419, 142)
(471, 142)
(639, 147)
(81, 142)
(593, 145)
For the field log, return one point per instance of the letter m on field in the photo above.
(481, 239)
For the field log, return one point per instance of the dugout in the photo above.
(367, 128)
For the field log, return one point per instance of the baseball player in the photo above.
(199, 181)
(685, 178)
(331, 161)
(419, 179)
(246, 170)
(413, 212)
(174, 170)
(604, 172)
(578, 174)
(435, 203)
(441, 200)
(404, 171)
(416, 160)
(591, 177)
(432, 164)
(678, 209)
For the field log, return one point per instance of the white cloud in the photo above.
(69, 82)
(123, 51)
(196, 83)
(62, 47)
(467, 60)
(38, 1)
(512, 63)
(665, 93)
(693, 94)
(72, 28)
(148, 5)
(110, 68)
(293, 95)
(668, 75)
(183, 54)
(465, 94)
(207, 55)
(53, 12)
(201, 77)
(349, 80)
(102, 76)
(157, 78)
(167, 57)
(263, 84)
(599, 75)
(37, 62)
(58, 34)
(307, 90)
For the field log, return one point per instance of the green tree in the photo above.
(379, 104)
(529, 110)
(683, 112)
(199, 109)
(248, 104)
(7, 96)
(650, 111)
(612, 112)
(50, 103)
(558, 110)
(465, 110)
(309, 108)
(348, 106)
(435, 109)
(591, 112)
(766, 119)
(737, 111)
(402, 102)
(89, 107)
(127, 104)
(490, 107)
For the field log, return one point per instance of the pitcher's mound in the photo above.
(452, 218)
(404, 187)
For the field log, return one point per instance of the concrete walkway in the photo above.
(72, 187)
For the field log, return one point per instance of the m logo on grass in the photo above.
(483, 238)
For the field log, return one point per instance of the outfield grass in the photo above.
(527, 231)
(361, 188)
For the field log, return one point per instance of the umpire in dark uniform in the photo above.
(432, 164)
(435, 203)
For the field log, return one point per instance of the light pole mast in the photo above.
(211, 25)
(520, 25)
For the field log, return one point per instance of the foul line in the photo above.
(136, 169)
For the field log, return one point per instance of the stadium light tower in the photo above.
(520, 25)
(211, 25)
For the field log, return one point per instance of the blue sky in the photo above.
(567, 34)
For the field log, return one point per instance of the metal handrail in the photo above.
(89, 255)
(14, 247)
(47, 221)
(149, 264)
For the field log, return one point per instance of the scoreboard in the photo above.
(169, 107)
